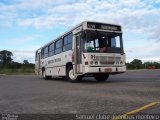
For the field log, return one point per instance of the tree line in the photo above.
(6, 61)
(138, 64)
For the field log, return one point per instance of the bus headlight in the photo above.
(96, 62)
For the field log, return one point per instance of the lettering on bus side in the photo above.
(50, 61)
(55, 60)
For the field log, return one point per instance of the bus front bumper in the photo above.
(110, 70)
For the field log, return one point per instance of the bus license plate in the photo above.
(108, 69)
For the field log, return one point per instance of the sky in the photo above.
(26, 25)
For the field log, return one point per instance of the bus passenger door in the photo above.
(78, 51)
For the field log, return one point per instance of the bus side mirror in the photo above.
(83, 34)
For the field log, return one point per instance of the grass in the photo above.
(10, 71)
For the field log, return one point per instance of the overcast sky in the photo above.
(26, 25)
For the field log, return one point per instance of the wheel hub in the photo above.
(71, 75)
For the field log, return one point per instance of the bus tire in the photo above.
(101, 77)
(45, 77)
(70, 75)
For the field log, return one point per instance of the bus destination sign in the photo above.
(103, 26)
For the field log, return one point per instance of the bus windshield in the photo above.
(102, 42)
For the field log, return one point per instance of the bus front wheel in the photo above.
(101, 77)
(45, 77)
(70, 75)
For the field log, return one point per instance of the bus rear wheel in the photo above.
(45, 77)
(70, 75)
(100, 77)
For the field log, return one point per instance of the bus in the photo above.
(89, 49)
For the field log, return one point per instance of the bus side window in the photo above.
(51, 49)
(67, 44)
(58, 46)
(46, 52)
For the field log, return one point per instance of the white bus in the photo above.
(89, 49)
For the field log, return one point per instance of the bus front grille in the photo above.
(109, 60)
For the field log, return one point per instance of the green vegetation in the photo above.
(17, 71)
(137, 64)
(8, 66)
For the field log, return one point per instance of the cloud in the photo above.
(20, 56)
(157, 1)
(146, 51)
(132, 3)
(24, 47)
(140, 19)
(155, 34)
(136, 17)
(23, 40)
(132, 14)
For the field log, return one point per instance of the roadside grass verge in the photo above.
(10, 71)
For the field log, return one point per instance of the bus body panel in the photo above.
(109, 70)
(56, 65)
(38, 62)
(103, 62)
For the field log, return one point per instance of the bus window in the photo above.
(96, 41)
(58, 46)
(46, 52)
(51, 49)
(115, 42)
(67, 42)
(97, 44)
